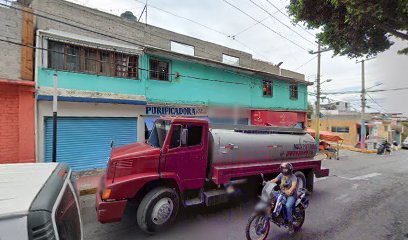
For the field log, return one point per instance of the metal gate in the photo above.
(84, 142)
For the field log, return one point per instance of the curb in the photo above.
(359, 150)
(89, 191)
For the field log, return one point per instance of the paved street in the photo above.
(365, 197)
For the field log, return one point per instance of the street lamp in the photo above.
(326, 81)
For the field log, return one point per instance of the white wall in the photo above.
(74, 109)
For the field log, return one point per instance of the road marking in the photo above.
(319, 179)
(366, 177)
(362, 177)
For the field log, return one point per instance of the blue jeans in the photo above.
(290, 202)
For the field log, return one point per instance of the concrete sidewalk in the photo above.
(87, 181)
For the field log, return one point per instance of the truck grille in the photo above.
(43, 232)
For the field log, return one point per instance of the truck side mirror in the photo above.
(184, 136)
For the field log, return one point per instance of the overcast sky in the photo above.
(388, 68)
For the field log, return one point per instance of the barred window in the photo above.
(340, 129)
(267, 88)
(69, 57)
(159, 70)
(294, 91)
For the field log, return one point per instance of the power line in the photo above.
(308, 61)
(263, 9)
(205, 26)
(372, 99)
(372, 91)
(138, 42)
(279, 10)
(143, 69)
(187, 19)
(272, 30)
(249, 27)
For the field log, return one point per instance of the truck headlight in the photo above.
(106, 193)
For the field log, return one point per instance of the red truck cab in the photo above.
(172, 169)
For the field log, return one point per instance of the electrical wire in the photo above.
(207, 27)
(372, 99)
(142, 69)
(136, 41)
(284, 24)
(187, 19)
(368, 91)
(308, 61)
(279, 10)
(266, 26)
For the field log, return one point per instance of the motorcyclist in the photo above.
(288, 185)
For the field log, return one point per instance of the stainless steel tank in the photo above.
(240, 146)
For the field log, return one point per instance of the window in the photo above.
(230, 60)
(159, 70)
(386, 128)
(267, 88)
(175, 138)
(193, 138)
(67, 217)
(182, 48)
(293, 91)
(194, 135)
(340, 129)
(63, 56)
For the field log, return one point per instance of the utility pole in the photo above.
(317, 114)
(363, 104)
(317, 131)
(54, 118)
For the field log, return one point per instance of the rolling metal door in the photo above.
(84, 142)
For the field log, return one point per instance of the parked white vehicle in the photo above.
(405, 143)
(38, 201)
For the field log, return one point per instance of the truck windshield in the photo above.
(159, 133)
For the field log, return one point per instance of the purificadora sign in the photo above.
(175, 110)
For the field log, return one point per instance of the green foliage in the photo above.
(354, 28)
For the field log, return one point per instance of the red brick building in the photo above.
(17, 141)
(16, 121)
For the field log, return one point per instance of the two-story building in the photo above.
(16, 86)
(115, 76)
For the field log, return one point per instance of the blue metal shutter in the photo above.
(84, 142)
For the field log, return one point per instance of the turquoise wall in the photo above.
(217, 86)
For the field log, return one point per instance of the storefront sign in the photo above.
(273, 118)
(175, 110)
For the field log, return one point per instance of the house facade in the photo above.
(16, 87)
(116, 76)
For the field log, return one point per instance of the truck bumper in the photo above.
(111, 211)
(322, 172)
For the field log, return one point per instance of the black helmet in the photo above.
(287, 166)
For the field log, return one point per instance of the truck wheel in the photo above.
(158, 209)
(301, 180)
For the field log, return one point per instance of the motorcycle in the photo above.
(271, 208)
(384, 148)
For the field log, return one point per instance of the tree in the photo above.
(354, 28)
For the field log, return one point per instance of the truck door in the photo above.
(188, 158)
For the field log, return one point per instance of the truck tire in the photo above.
(301, 180)
(158, 209)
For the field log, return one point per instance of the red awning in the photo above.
(369, 125)
(327, 136)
